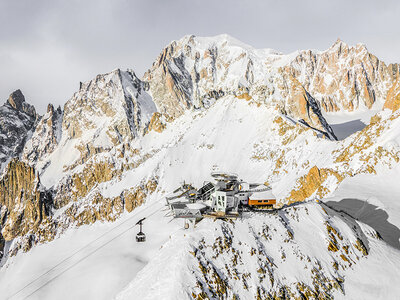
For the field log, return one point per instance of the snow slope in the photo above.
(92, 262)
(267, 255)
(225, 137)
(345, 123)
(373, 199)
(216, 104)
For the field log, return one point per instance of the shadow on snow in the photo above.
(371, 215)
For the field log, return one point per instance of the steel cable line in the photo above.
(94, 251)
(82, 248)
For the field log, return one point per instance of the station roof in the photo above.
(197, 205)
(262, 195)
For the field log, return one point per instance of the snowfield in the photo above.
(170, 274)
(206, 105)
(114, 265)
(92, 262)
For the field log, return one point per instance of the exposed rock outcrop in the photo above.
(17, 101)
(135, 197)
(108, 110)
(46, 136)
(189, 71)
(393, 97)
(171, 84)
(344, 77)
(312, 184)
(17, 120)
(24, 203)
(304, 107)
(156, 122)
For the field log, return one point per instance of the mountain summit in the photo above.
(17, 101)
(17, 120)
(319, 128)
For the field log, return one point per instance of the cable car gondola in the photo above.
(140, 237)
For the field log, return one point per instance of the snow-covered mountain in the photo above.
(301, 252)
(311, 124)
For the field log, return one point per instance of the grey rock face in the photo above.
(17, 101)
(45, 137)
(17, 120)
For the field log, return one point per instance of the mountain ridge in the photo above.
(121, 143)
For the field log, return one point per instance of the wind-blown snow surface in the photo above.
(189, 149)
(264, 251)
(373, 199)
(345, 124)
(197, 143)
(165, 267)
(225, 137)
(101, 258)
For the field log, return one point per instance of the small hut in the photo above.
(264, 198)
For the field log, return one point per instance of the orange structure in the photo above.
(264, 199)
(259, 202)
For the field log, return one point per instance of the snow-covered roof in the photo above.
(262, 195)
(197, 205)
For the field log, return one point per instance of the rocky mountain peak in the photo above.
(17, 120)
(45, 137)
(112, 109)
(195, 71)
(339, 42)
(343, 50)
(17, 101)
(341, 47)
(50, 108)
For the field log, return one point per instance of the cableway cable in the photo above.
(84, 247)
(94, 251)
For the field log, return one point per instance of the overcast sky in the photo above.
(48, 47)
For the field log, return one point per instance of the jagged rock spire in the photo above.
(17, 101)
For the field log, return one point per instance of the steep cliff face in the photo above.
(194, 71)
(116, 102)
(104, 116)
(97, 126)
(24, 203)
(312, 184)
(31, 214)
(17, 101)
(302, 105)
(75, 150)
(46, 136)
(176, 88)
(393, 97)
(344, 77)
(17, 120)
